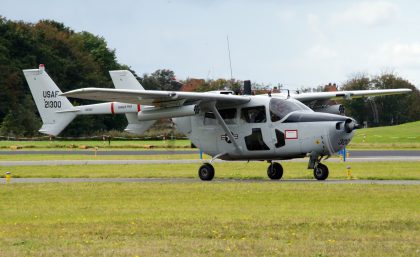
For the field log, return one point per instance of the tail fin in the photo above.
(124, 79)
(56, 111)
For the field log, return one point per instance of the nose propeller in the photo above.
(350, 125)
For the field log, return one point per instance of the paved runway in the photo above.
(353, 153)
(196, 180)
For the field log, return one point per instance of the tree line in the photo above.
(382, 110)
(81, 59)
(73, 60)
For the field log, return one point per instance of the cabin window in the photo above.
(228, 115)
(254, 114)
(209, 118)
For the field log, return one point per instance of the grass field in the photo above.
(209, 219)
(46, 157)
(238, 170)
(115, 144)
(405, 136)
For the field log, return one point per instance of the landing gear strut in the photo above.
(206, 172)
(275, 171)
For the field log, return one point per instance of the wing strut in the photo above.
(225, 127)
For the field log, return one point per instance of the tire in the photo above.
(321, 172)
(275, 171)
(206, 172)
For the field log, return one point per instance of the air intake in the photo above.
(247, 87)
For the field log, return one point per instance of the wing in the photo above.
(154, 97)
(316, 96)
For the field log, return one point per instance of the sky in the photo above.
(297, 43)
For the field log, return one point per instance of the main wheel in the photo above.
(206, 171)
(321, 172)
(275, 171)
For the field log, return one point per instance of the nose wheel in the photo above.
(206, 172)
(321, 171)
(275, 171)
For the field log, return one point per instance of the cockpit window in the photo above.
(279, 108)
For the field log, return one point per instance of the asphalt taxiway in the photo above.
(356, 156)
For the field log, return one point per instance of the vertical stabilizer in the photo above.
(56, 111)
(124, 79)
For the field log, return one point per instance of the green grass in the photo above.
(209, 219)
(47, 157)
(239, 170)
(405, 136)
(124, 144)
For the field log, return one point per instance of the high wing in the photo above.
(154, 97)
(336, 95)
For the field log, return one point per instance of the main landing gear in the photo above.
(206, 172)
(275, 171)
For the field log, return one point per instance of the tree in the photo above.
(383, 110)
(161, 80)
(396, 109)
(358, 108)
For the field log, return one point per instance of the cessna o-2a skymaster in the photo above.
(221, 124)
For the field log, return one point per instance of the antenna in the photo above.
(230, 61)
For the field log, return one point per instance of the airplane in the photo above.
(225, 126)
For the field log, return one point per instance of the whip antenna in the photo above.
(230, 61)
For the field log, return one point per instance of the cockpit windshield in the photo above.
(279, 108)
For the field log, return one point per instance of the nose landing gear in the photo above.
(320, 170)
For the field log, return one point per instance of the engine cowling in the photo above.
(333, 109)
(171, 112)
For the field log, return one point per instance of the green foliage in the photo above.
(383, 110)
(161, 80)
(73, 60)
(22, 121)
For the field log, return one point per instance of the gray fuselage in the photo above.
(267, 128)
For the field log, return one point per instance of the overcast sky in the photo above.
(296, 43)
